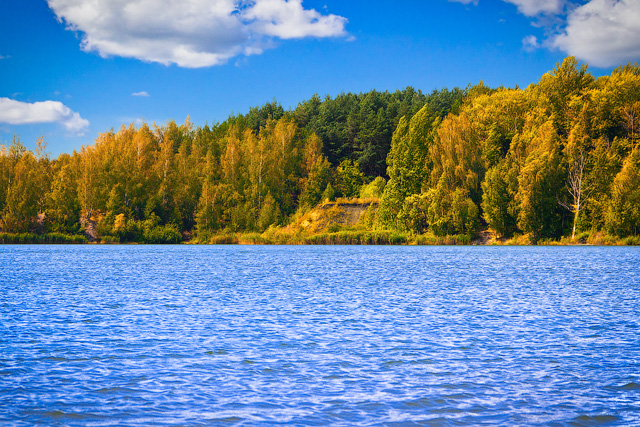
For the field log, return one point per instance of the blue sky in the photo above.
(70, 69)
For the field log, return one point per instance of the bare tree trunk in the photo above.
(576, 190)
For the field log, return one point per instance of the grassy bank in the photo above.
(388, 237)
(341, 237)
(586, 238)
(49, 238)
(349, 236)
(286, 237)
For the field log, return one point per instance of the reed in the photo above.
(49, 238)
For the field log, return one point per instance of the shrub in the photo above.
(224, 239)
(452, 239)
(164, 234)
(583, 237)
(109, 240)
(602, 239)
(374, 189)
(252, 239)
(632, 241)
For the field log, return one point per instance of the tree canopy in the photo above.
(557, 158)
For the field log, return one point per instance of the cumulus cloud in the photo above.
(536, 7)
(191, 33)
(143, 93)
(530, 43)
(19, 113)
(603, 32)
(289, 20)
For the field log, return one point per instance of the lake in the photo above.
(319, 335)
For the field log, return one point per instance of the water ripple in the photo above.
(437, 336)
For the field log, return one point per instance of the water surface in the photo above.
(308, 335)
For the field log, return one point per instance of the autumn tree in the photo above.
(317, 171)
(498, 194)
(539, 185)
(408, 163)
(623, 213)
(63, 207)
(22, 200)
(576, 155)
(349, 179)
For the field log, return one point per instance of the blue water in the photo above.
(250, 335)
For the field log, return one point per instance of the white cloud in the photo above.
(530, 43)
(289, 20)
(143, 93)
(528, 7)
(536, 7)
(603, 32)
(19, 113)
(191, 33)
(464, 1)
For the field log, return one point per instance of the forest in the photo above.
(559, 159)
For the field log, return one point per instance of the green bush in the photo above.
(164, 234)
(253, 239)
(334, 228)
(583, 237)
(374, 189)
(632, 241)
(224, 239)
(109, 240)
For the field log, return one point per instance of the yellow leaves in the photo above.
(312, 151)
(504, 109)
(623, 212)
(630, 113)
(457, 154)
(119, 223)
(231, 158)
(284, 131)
(612, 103)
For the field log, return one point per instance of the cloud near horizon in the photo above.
(603, 33)
(537, 7)
(191, 33)
(20, 113)
(528, 7)
(143, 93)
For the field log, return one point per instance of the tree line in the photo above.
(555, 159)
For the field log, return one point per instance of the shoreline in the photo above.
(343, 237)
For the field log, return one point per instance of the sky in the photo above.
(71, 69)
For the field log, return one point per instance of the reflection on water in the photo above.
(191, 335)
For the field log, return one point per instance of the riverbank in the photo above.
(345, 236)
(368, 237)
(48, 238)
(342, 237)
